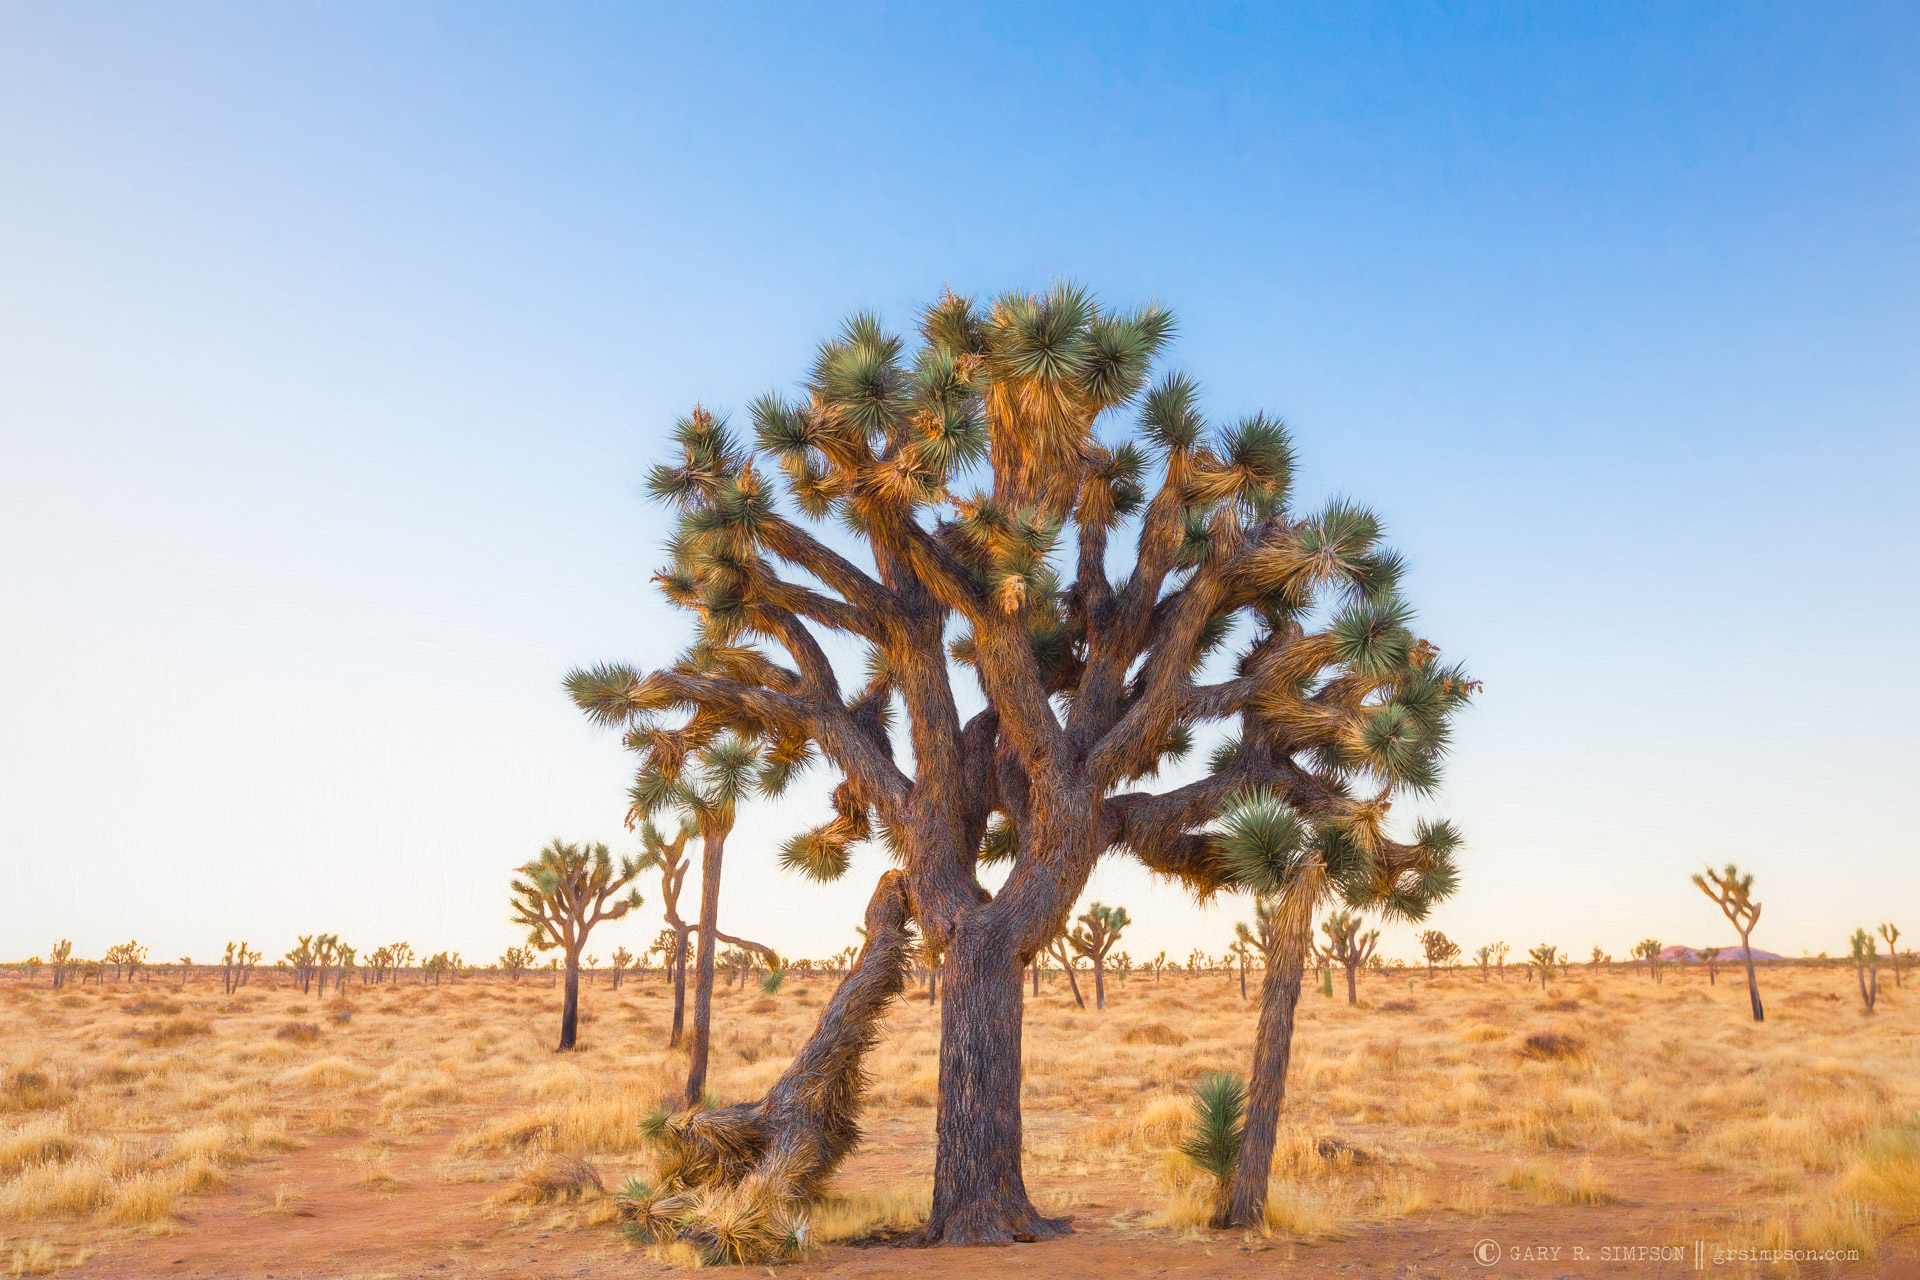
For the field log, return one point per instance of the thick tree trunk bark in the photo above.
(1753, 987)
(1099, 985)
(712, 850)
(570, 1006)
(1353, 995)
(1246, 1200)
(979, 1194)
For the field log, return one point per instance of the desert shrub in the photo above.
(166, 1008)
(1398, 1006)
(1156, 1033)
(175, 1031)
(31, 1089)
(1543, 1046)
(1888, 1171)
(297, 1032)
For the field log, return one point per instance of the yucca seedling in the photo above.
(1212, 1139)
(1732, 891)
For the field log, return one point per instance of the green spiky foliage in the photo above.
(1732, 891)
(560, 896)
(947, 505)
(1213, 1134)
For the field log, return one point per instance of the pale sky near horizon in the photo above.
(335, 341)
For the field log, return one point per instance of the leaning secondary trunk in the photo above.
(979, 1193)
(1245, 1203)
(712, 849)
(1753, 987)
(677, 972)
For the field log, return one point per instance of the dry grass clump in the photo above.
(297, 1032)
(174, 1031)
(31, 1089)
(1155, 1033)
(551, 1176)
(1544, 1185)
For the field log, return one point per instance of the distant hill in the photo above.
(1686, 955)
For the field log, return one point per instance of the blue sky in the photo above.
(335, 341)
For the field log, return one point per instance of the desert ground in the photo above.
(149, 1129)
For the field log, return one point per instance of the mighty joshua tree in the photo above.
(1866, 967)
(1545, 957)
(1347, 947)
(560, 896)
(1892, 935)
(982, 476)
(1439, 949)
(1732, 891)
(1093, 936)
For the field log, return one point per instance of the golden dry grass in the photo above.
(1480, 1099)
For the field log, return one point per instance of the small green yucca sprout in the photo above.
(1213, 1134)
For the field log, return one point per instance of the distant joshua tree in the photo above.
(1485, 956)
(1598, 957)
(1866, 967)
(1710, 957)
(60, 959)
(1544, 957)
(1500, 960)
(515, 961)
(1648, 949)
(1347, 947)
(560, 896)
(1892, 935)
(400, 955)
(619, 961)
(1158, 964)
(1439, 949)
(1732, 891)
(1093, 936)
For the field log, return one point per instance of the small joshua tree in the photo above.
(1648, 949)
(400, 955)
(1892, 935)
(1347, 947)
(1061, 949)
(1438, 949)
(1485, 956)
(60, 959)
(1732, 891)
(560, 896)
(1710, 957)
(1093, 936)
(1866, 967)
(1499, 950)
(515, 961)
(1544, 957)
(618, 963)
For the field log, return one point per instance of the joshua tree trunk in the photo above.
(712, 850)
(1246, 1199)
(980, 1196)
(1753, 987)
(1353, 996)
(677, 974)
(1099, 985)
(1543, 975)
(570, 1006)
